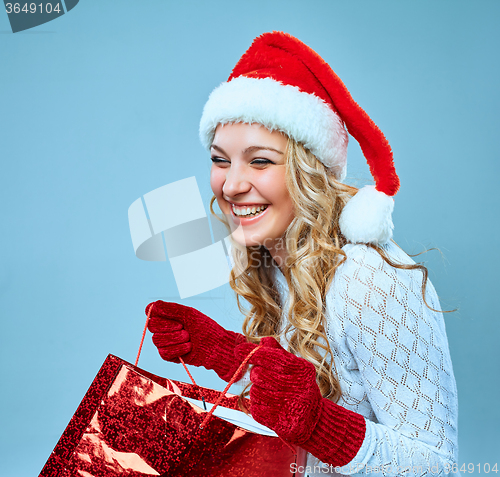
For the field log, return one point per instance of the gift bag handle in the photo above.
(226, 389)
(229, 384)
(223, 393)
(143, 335)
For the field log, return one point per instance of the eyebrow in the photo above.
(249, 149)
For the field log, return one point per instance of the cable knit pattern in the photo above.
(393, 362)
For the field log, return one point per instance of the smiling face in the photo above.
(248, 174)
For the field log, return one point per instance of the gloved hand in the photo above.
(286, 398)
(182, 331)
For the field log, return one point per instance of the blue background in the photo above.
(102, 105)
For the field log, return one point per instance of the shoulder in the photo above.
(359, 255)
(366, 283)
(365, 267)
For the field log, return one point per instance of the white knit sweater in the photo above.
(393, 363)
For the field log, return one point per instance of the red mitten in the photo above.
(286, 398)
(182, 331)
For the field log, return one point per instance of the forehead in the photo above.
(242, 135)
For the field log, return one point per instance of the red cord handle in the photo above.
(229, 384)
(181, 360)
(143, 335)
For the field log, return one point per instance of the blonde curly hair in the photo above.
(314, 245)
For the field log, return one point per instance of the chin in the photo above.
(245, 242)
(239, 237)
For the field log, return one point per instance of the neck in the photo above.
(279, 253)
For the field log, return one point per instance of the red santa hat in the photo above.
(284, 85)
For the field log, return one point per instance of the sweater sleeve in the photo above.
(401, 360)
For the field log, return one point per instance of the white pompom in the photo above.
(367, 217)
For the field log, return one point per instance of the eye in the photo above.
(218, 160)
(262, 161)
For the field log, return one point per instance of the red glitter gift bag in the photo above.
(134, 423)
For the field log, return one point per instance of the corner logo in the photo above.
(26, 15)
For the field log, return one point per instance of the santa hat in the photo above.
(284, 85)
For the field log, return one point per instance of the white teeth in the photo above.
(249, 210)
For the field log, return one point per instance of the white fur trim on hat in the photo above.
(367, 217)
(302, 116)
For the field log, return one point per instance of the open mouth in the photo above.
(245, 213)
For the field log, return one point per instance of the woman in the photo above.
(354, 363)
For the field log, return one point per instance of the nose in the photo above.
(237, 181)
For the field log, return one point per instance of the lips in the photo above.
(239, 220)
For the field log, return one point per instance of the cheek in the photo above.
(281, 197)
(275, 186)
